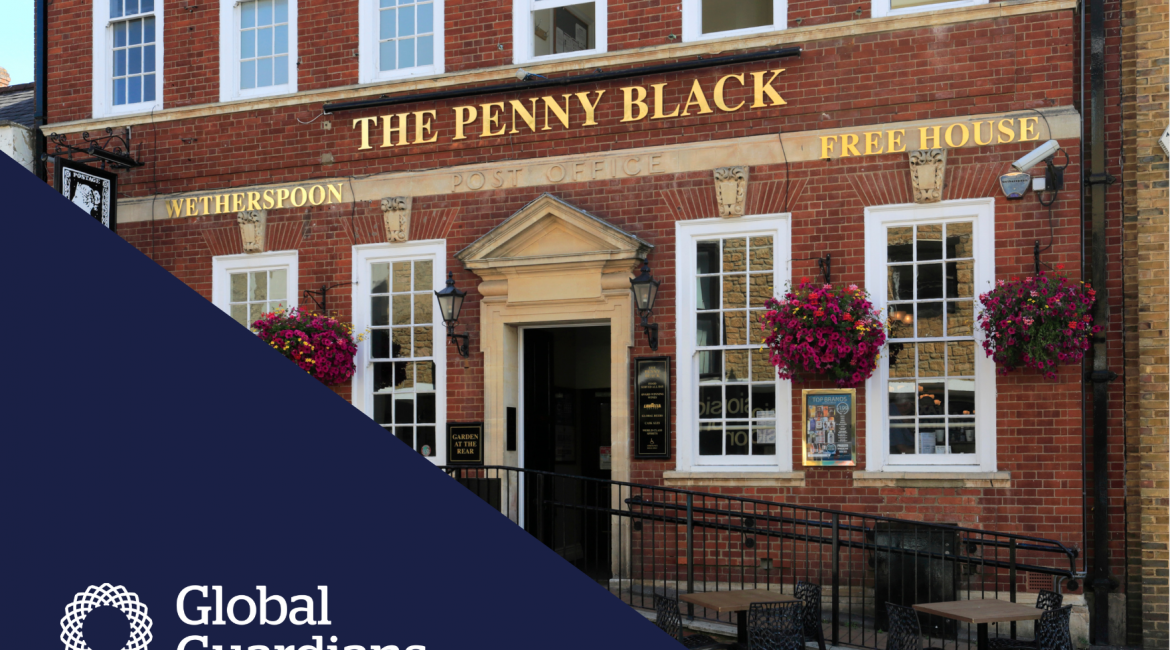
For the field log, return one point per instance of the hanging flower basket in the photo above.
(822, 331)
(1039, 322)
(322, 346)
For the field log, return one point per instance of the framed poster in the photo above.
(465, 443)
(93, 190)
(652, 404)
(829, 426)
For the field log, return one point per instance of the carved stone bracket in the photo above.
(731, 190)
(252, 226)
(927, 172)
(396, 216)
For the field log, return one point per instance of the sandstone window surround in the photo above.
(398, 39)
(257, 48)
(707, 19)
(901, 7)
(401, 376)
(734, 414)
(545, 30)
(248, 285)
(127, 57)
(931, 404)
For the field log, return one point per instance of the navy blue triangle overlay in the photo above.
(149, 441)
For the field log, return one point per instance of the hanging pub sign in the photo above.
(652, 397)
(465, 443)
(93, 190)
(829, 430)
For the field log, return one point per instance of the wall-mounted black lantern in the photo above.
(645, 289)
(450, 303)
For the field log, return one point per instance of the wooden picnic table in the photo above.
(982, 612)
(738, 601)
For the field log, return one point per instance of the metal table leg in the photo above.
(741, 629)
(983, 636)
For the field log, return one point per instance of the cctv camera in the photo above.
(1038, 155)
(1165, 141)
(521, 74)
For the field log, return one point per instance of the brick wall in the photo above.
(1144, 72)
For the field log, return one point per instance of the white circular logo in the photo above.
(842, 407)
(73, 622)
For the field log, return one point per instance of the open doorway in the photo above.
(566, 432)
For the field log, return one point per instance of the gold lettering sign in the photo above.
(569, 110)
(950, 136)
(277, 199)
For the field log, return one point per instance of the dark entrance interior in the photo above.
(567, 432)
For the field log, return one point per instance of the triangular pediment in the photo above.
(547, 231)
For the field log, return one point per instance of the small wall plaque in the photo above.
(829, 431)
(465, 443)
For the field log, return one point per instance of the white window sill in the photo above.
(933, 478)
(733, 479)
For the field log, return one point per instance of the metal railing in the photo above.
(641, 540)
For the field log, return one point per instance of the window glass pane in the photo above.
(737, 440)
(255, 312)
(120, 35)
(423, 308)
(761, 253)
(280, 70)
(902, 359)
(426, 50)
(423, 275)
(900, 283)
(383, 376)
(764, 400)
(148, 59)
(961, 436)
(258, 285)
(406, 435)
(736, 366)
(281, 35)
(135, 60)
(902, 437)
(734, 255)
(134, 90)
(380, 277)
(961, 358)
(708, 293)
(930, 319)
(707, 257)
(735, 327)
(380, 344)
(930, 281)
(380, 310)
(147, 6)
(115, 8)
(404, 408)
(710, 364)
(386, 55)
(763, 438)
(403, 375)
(387, 25)
(755, 332)
(426, 20)
(401, 313)
(961, 397)
(281, 11)
(931, 398)
(425, 441)
(135, 32)
(929, 241)
(148, 88)
(710, 439)
(737, 404)
(564, 29)
(400, 342)
(383, 413)
(900, 244)
(406, 21)
(762, 368)
(711, 402)
(401, 276)
(930, 359)
(423, 341)
(707, 329)
(278, 284)
(264, 42)
(263, 12)
(761, 288)
(119, 91)
(426, 407)
(148, 30)
(722, 16)
(735, 291)
(902, 398)
(959, 318)
(901, 321)
(405, 52)
(961, 279)
(238, 291)
(248, 74)
(131, 7)
(959, 242)
(425, 379)
(119, 63)
(248, 15)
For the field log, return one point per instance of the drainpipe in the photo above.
(1099, 181)
(40, 93)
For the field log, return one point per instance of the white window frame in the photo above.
(223, 266)
(877, 219)
(103, 63)
(692, 22)
(229, 54)
(686, 234)
(522, 43)
(881, 8)
(368, 56)
(365, 255)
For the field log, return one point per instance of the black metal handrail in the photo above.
(645, 540)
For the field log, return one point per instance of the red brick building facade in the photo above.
(817, 146)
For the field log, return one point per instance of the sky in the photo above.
(16, 40)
